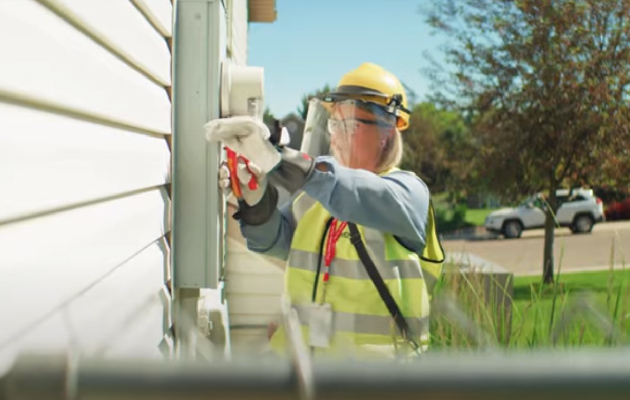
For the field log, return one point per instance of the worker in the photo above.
(359, 235)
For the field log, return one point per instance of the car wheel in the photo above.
(512, 229)
(583, 224)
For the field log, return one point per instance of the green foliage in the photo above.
(451, 217)
(477, 216)
(438, 145)
(303, 107)
(546, 90)
(412, 96)
(459, 214)
(268, 117)
(579, 310)
(545, 87)
(443, 218)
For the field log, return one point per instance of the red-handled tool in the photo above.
(232, 162)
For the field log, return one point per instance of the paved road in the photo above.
(578, 252)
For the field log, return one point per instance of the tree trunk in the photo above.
(548, 253)
(550, 223)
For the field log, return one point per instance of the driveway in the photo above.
(572, 252)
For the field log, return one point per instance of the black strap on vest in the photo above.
(383, 291)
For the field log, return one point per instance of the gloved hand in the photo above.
(257, 205)
(294, 169)
(247, 136)
(250, 137)
(244, 173)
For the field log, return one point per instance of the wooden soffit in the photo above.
(261, 10)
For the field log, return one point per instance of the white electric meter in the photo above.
(242, 90)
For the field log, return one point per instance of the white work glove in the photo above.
(247, 136)
(256, 206)
(244, 173)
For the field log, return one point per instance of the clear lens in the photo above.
(341, 126)
(316, 138)
(357, 133)
(350, 126)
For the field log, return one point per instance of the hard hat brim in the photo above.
(359, 92)
(345, 91)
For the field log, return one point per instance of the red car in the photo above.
(618, 210)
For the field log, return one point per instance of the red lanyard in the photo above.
(334, 233)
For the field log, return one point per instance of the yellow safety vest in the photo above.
(362, 325)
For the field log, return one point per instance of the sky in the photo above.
(315, 42)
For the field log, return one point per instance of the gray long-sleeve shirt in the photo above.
(397, 203)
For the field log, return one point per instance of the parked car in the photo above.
(580, 213)
(618, 210)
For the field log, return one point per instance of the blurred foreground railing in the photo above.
(473, 306)
(576, 375)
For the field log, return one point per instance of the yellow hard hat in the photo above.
(372, 83)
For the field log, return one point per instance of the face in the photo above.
(358, 136)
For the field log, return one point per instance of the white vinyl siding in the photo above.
(85, 166)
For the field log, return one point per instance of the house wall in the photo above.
(253, 283)
(85, 120)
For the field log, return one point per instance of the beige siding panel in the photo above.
(54, 64)
(243, 261)
(254, 286)
(159, 13)
(264, 284)
(48, 261)
(49, 161)
(123, 28)
(259, 321)
(256, 303)
(248, 343)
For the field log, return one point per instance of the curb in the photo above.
(572, 270)
(472, 233)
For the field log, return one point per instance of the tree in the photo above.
(546, 84)
(412, 96)
(435, 146)
(303, 107)
(268, 117)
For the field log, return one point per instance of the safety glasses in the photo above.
(350, 125)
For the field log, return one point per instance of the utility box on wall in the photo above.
(210, 82)
(199, 49)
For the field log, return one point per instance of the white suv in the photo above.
(579, 213)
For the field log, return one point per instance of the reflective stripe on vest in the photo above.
(359, 315)
(366, 324)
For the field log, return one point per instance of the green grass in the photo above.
(587, 308)
(477, 217)
(451, 217)
(580, 309)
